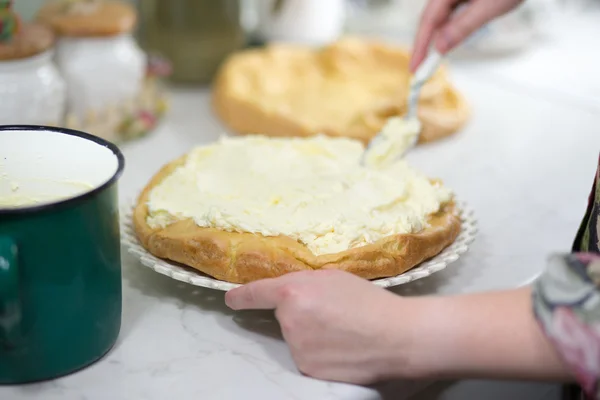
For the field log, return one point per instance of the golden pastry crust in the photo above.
(110, 18)
(31, 40)
(349, 88)
(245, 257)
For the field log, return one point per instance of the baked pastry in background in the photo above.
(254, 207)
(347, 89)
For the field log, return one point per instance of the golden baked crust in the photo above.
(245, 257)
(349, 88)
(31, 40)
(111, 18)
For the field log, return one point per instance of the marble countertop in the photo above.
(525, 164)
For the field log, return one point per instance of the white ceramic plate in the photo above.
(191, 276)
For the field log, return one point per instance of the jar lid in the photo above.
(18, 40)
(88, 18)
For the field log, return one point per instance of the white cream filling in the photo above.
(313, 190)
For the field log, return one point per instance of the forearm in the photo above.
(491, 335)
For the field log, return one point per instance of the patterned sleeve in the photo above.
(566, 300)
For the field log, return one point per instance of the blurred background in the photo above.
(114, 85)
(197, 34)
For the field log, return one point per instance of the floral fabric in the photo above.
(566, 300)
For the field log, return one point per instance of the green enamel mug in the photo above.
(60, 260)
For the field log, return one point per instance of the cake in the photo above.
(251, 207)
(347, 89)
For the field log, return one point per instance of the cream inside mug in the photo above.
(35, 171)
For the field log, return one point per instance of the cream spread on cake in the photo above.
(311, 189)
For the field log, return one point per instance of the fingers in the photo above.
(473, 17)
(464, 23)
(268, 294)
(265, 294)
(436, 13)
(449, 29)
(258, 295)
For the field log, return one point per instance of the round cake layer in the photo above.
(347, 89)
(311, 190)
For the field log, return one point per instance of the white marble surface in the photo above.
(525, 163)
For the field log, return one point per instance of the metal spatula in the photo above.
(400, 134)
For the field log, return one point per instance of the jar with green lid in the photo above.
(194, 35)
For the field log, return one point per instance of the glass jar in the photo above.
(194, 35)
(313, 22)
(32, 91)
(394, 20)
(101, 72)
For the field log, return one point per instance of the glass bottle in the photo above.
(194, 35)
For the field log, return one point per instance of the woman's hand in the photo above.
(439, 23)
(338, 326)
(343, 328)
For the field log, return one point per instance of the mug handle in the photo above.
(10, 304)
